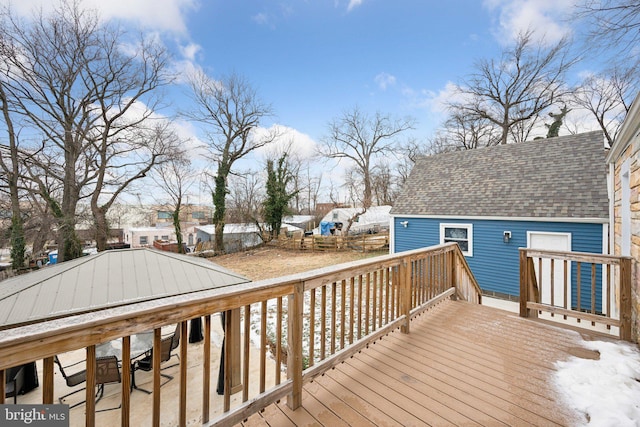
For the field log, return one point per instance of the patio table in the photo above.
(140, 344)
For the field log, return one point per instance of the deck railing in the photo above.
(585, 287)
(306, 322)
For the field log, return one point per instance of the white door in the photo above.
(553, 242)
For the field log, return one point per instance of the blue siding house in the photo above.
(544, 194)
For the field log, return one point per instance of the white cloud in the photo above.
(546, 18)
(261, 18)
(190, 50)
(298, 143)
(164, 15)
(384, 80)
(353, 4)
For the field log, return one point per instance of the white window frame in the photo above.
(469, 227)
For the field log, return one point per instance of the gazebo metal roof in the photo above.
(109, 279)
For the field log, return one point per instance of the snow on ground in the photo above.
(607, 390)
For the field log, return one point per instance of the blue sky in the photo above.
(314, 59)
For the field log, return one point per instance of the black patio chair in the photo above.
(146, 364)
(107, 372)
(72, 380)
(14, 385)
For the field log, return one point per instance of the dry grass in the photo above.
(269, 262)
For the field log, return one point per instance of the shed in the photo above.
(544, 194)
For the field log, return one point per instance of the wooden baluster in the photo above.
(334, 287)
(374, 304)
(593, 290)
(263, 345)
(278, 367)
(351, 308)
(312, 326)
(578, 283)
(367, 312)
(360, 306)
(206, 371)
(343, 314)
(246, 352)
(608, 313)
(323, 323)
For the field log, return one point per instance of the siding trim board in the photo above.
(507, 218)
(495, 264)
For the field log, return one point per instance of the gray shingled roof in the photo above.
(563, 177)
(108, 279)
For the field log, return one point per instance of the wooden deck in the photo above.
(462, 364)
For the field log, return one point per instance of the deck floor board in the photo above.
(461, 364)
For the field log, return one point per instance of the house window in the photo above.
(164, 215)
(198, 215)
(462, 234)
(143, 240)
(165, 237)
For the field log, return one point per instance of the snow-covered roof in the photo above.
(375, 215)
(151, 229)
(230, 229)
(297, 219)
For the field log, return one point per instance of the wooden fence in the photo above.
(582, 286)
(362, 242)
(309, 321)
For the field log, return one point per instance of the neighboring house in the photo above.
(624, 172)
(374, 220)
(545, 194)
(143, 237)
(201, 214)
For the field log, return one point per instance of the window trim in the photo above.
(469, 227)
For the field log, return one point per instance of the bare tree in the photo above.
(615, 23)
(10, 167)
(362, 139)
(515, 89)
(244, 197)
(90, 100)
(312, 188)
(607, 96)
(462, 131)
(231, 111)
(383, 182)
(174, 178)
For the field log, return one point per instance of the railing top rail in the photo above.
(465, 266)
(574, 256)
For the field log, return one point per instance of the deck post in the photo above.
(524, 283)
(625, 298)
(294, 340)
(47, 379)
(405, 294)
